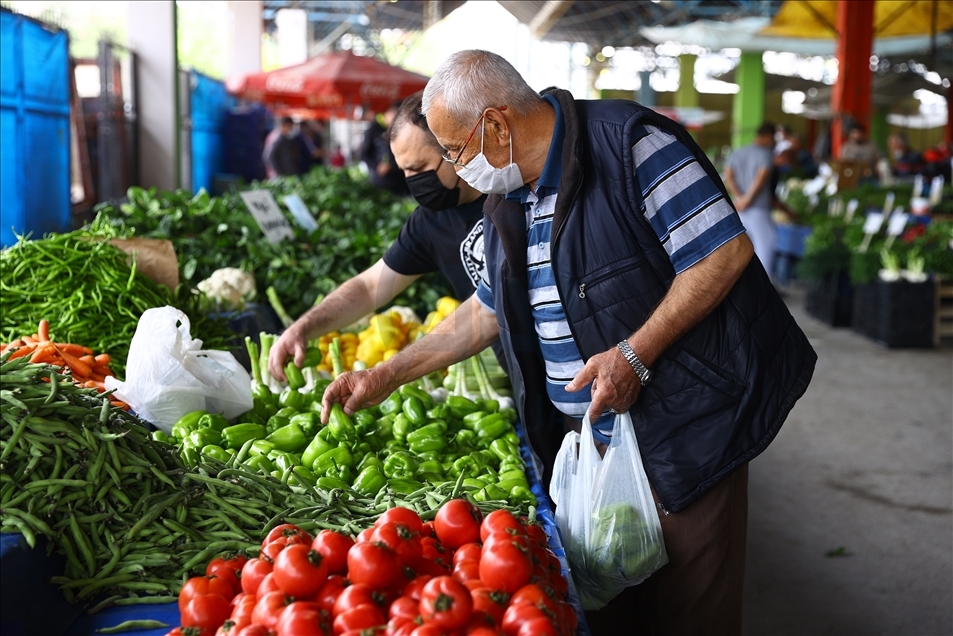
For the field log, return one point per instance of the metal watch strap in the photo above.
(645, 376)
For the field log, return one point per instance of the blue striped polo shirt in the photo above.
(685, 208)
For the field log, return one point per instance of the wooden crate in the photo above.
(943, 316)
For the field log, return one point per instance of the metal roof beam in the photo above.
(547, 16)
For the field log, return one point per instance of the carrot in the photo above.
(43, 330)
(74, 349)
(74, 363)
(94, 384)
(103, 359)
(43, 353)
(26, 349)
(29, 340)
(119, 404)
(12, 345)
(88, 359)
(101, 370)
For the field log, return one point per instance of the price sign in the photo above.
(852, 206)
(265, 209)
(301, 213)
(874, 222)
(898, 221)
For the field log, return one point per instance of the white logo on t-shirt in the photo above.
(471, 252)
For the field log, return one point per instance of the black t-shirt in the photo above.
(449, 241)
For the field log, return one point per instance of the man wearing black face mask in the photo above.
(444, 234)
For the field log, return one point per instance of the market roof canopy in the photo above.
(335, 83)
(818, 18)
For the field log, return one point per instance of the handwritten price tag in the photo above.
(265, 209)
(301, 213)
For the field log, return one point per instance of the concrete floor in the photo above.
(850, 528)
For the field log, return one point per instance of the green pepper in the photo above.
(428, 438)
(490, 428)
(344, 473)
(473, 484)
(265, 402)
(315, 448)
(235, 436)
(338, 456)
(521, 494)
(440, 412)
(282, 459)
(369, 459)
(490, 492)
(430, 466)
(312, 357)
(414, 410)
(212, 420)
(309, 422)
(294, 376)
(513, 474)
(400, 464)
(392, 404)
(467, 465)
(512, 438)
(290, 438)
(202, 437)
(461, 406)
(295, 399)
(503, 449)
(490, 406)
(508, 484)
(330, 483)
(402, 427)
(261, 447)
(186, 424)
(429, 456)
(260, 463)
(315, 407)
(471, 419)
(320, 386)
(252, 418)
(190, 455)
(216, 452)
(409, 390)
(369, 481)
(276, 422)
(341, 427)
(160, 436)
(385, 428)
(510, 414)
(404, 486)
(364, 419)
(303, 476)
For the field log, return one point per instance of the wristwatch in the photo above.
(645, 376)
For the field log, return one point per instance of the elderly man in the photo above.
(618, 277)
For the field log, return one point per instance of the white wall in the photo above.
(243, 37)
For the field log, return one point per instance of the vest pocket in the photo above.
(685, 375)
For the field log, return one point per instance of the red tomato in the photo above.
(568, 612)
(252, 574)
(516, 615)
(538, 627)
(500, 521)
(364, 535)
(268, 609)
(400, 626)
(363, 616)
(330, 591)
(333, 546)
(404, 606)
(537, 595)
(268, 584)
(428, 629)
(287, 531)
(202, 586)
(403, 516)
(505, 566)
(228, 567)
(302, 619)
(416, 586)
(479, 620)
(445, 602)
(374, 564)
(466, 571)
(433, 567)
(559, 583)
(506, 537)
(208, 611)
(432, 548)
(245, 607)
(271, 551)
(300, 571)
(232, 626)
(458, 522)
(354, 595)
(489, 602)
(401, 539)
(255, 630)
(536, 532)
(474, 584)
(483, 631)
(467, 552)
(427, 529)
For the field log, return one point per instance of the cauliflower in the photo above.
(230, 288)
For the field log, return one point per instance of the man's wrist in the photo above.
(641, 370)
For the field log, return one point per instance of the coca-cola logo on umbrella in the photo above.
(324, 101)
(284, 84)
(380, 91)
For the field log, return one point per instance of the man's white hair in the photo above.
(472, 81)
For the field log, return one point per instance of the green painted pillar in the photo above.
(748, 109)
(686, 96)
(879, 129)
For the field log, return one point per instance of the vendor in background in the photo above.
(377, 155)
(444, 234)
(859, 148)
(314, 150)
(284, 156)
(904, 160)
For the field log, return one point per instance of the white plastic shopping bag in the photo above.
(606, 513)
(168, 374)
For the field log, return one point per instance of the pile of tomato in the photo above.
(460, 575)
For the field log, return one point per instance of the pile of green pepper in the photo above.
(405, 443)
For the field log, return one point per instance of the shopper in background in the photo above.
(904, 160)
(748, 178)
(619, 277)
(377, 155)
(313, 145)
(444, 234)
(285, 152)
(858, 148)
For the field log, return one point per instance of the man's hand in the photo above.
(292, 343)
(357, 390)
(614, 383)
(741, 203)
(383, 169)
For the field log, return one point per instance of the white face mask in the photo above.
(482, 176)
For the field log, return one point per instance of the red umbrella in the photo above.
(335, 83)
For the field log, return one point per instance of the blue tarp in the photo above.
(34, 128)
(210, 104)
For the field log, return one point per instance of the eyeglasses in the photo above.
(455, 161)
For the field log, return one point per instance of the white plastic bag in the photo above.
(606, 513)
(168, 375)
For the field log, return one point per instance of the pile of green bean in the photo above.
(130, 518)
(90, 293)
